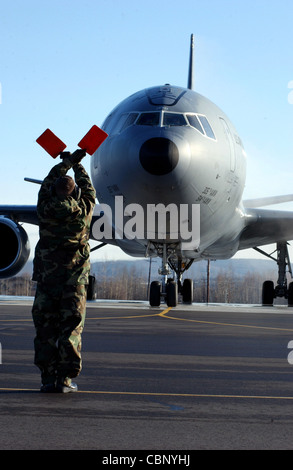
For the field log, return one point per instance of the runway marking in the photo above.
(16, 320)
(98, 318)
(157, 394)
(163, 315)
(132, 316)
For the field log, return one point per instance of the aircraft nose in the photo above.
(159, 156)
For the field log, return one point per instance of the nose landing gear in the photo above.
(169, 289)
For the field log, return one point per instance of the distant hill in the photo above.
(239, 267)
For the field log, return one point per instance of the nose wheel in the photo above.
(171, 293)
(169, 289)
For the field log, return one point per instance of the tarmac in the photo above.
(197, 377)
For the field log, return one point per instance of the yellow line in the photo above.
(98, 318)
(19, 390)
(18, 320)
(163, 314)
(157, 394)
(224, 324)
(187, 395)
(133, 316)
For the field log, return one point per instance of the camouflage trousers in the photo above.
(59, 314)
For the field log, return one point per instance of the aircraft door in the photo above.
(231, 144)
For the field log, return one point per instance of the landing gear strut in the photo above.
(269, 292)
(169, 288)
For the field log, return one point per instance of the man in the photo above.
(61, 269)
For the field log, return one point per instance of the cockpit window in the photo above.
(194, 122)
(206, 125)
(129, 121)
(123, 122)
(201, 123)
(149, 119)
(173, 119)
(158, 119)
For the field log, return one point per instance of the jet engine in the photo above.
(15, 248)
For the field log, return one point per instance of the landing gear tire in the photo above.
(268, 293)
(290, 295)
(187, 291)
(155, 294)
(91, 288)
(171, 294)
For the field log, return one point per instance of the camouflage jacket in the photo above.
(62, 252)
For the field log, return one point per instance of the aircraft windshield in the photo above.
(129, 121)
(172, 119)
(194, 122)
(149, 119)
(201, 123)
(206, 125)
(163, 118)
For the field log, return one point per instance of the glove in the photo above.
(77, 156)
(66, 157)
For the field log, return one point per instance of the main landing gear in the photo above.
(269, 291)
(169, 289)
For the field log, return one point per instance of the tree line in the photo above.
(132, 283)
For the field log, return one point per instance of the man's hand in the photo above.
(77, 156)
(71, 159)
(66, 157)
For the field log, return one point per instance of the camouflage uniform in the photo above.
(61, 268)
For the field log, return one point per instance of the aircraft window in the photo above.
(206, 125)
(149, 119)
(194, 122)
(119, 124)
(172, 119)
(201, 123)
(107, 122)
(129, 121)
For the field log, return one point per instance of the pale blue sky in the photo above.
(65, 64)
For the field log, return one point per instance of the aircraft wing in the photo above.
(267, 201)
(27, 214)
(263, 227)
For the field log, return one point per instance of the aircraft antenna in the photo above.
(190, 72)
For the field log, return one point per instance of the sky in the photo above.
(65, 64)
